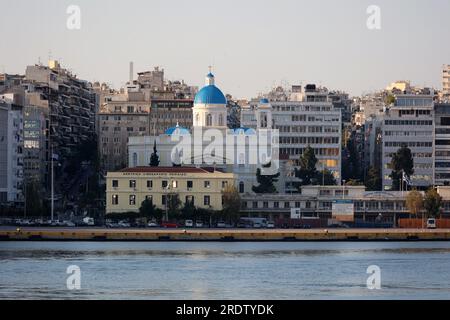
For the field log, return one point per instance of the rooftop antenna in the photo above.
(50, 55)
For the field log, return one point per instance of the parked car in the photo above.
(270, 225)
(221, 224)
(189, 223)
(169, 225)
(124, 224)
(152, 224)
(69, 224)
(199, 224)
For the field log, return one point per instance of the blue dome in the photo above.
(210, 95)
(264, 101)
(246, 131)
(176, 130)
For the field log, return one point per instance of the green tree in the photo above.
(373, 179)
(147, 209)
(390, 99)
(33, 202)
(402, 161)
(326, 178)
(307, 172)
(414, 202)
(231, 203)
(265, 182)
(154, 158)
(432, 203)
(173, 206)
(189, 211)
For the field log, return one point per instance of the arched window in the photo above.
(241, 187)
(209, 120)
(197, 119)
(220, 120)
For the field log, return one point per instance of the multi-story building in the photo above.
(60, 118)
(446, 82)
(128, 188)
(309, 120)
(442, 144)
(11, 151)
(410, 123)
(131, 115)
(316, 202)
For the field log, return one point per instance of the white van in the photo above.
(189, 223)
(431, 223)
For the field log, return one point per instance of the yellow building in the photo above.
(128, 188)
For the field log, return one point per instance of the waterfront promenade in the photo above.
(180, 234)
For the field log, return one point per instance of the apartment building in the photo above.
(131, 115)
(307, 119)
(442, 144)
(410, 122)
(128, 188)
(11, 151)
(446, 82)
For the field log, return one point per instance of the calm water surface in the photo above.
(324, 270)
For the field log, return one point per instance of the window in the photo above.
(149, 198)
(207, 200)
(164, 184)
(207, 184)
(265, 205)
(255, 204)
(220, 120)
(287, 205)
(276, 204)
(190, 200)
(135, 159)
(224, 184)
(115, 183)
(132, 183)
(132, 200)
(164, 200)
(241, 187)
(209, 120)
(174, 184)
(115, 199)
(190, 184)
(149, 184)
(130, 109)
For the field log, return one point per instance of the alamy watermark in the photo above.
(228, 147)
(374, 280)
(374, 20)
(74, 19)
(73, 282)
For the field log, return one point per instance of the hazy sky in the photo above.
(252, 44)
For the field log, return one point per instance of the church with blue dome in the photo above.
(209, 112)
(210, 106)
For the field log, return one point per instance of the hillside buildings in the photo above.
(147, 106)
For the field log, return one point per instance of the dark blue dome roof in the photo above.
(210, 95)
(264, 101)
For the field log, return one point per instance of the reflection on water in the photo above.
(177, 270)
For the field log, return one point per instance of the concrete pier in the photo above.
(98, 234)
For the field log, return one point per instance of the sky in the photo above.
(253, 45)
